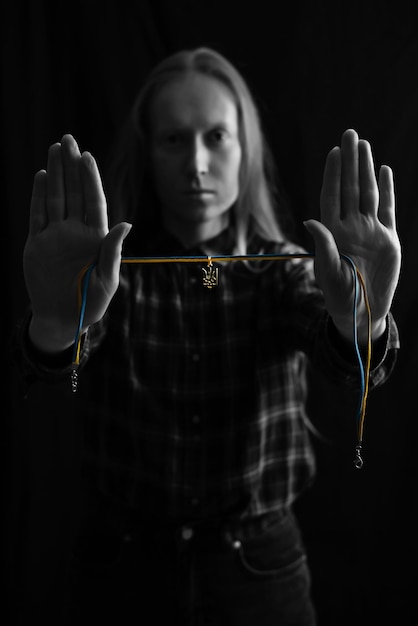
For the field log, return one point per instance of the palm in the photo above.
(69, 230)
(357, 220)
(52, 262)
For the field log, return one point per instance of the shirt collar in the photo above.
(166, 244)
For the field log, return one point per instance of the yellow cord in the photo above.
(368, 358)
(218, 259)
(76, 359)
(275, 257)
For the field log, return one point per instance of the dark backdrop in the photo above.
(74, 67)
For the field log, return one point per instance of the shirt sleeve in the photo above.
(342, 356)
(33, 364)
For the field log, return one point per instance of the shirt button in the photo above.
(186, 533)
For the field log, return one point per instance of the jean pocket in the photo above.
(280, 571)
(275, 552)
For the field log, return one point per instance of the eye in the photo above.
(219, 135)
(172, 139)
(169, 139)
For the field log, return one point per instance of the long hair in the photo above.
(129, 183)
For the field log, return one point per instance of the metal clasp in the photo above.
(358, 461)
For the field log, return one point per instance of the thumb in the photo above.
(111, 251)
(326, 251)
(328, 267)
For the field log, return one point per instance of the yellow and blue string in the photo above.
(358, 282)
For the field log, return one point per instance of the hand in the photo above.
(68, 230)
(357, 220)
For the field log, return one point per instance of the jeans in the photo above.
(192, 575)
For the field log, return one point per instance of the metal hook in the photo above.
(358, 461)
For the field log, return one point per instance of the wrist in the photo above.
(345, 328)
(49, 337)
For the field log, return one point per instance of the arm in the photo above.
(68, 229)
(358, 220)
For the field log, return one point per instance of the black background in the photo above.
(316, 69)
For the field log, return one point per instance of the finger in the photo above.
(369, 192)
(94, 198)
(332, 274)
(55, 197)
(326, 250)
(350, 187)
(72, 178)
(111, 252)
(38, 215)
(386, 210)
(331, 187)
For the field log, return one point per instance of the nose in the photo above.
(198, 157)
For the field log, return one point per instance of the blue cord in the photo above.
(82, 308)
(355, 335)
(346, 258)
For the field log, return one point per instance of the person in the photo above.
(196, 439)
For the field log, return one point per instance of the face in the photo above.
(195, 154)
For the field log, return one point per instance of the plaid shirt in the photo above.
(194, 398)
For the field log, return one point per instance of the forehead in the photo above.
(193, 100)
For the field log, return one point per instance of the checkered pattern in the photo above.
(193, 399)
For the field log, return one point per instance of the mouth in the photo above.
(198, 192)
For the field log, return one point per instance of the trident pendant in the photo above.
(210, 275)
